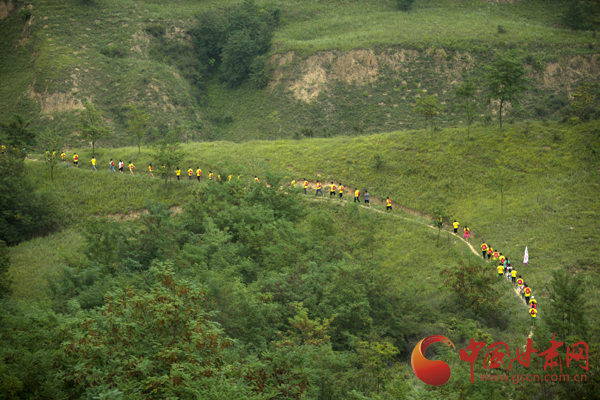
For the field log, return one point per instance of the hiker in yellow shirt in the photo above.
(533, 312)
(500, 269)
(94, 164)
(3, 148)
(305, 186)
(163, 171)
(229, 177)
(131, 168)
(198, 174)
(219, 176)
(332, 190)
(63, 156)
(341, 192)
(255, 179)
(210, 175)
(76, 160)
(455, 225)
(513, 276)
(490, 251)
(388, 204)
(151, 170)
(190, 173)
(496, 255)
(484, 248)
(319, 189)
(357, 196)
(177, 173)
(293, 184)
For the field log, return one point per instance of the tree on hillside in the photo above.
(137, 123)
(467, 92)
(474, 287)
(506, 81)
(92, 125)
(17, 136)
(566, 314)
(23, 212)
(500, 178)
(52, 141)
(428, 107)
(168, 151)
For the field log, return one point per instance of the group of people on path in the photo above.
(504, 267)
(505, 270)
(339, 191)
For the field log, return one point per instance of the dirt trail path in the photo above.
(349, 191)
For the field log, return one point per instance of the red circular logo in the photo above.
(434, 373)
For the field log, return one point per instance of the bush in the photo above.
(260, 72)
(501, 30)
(156, 30)
(405, 5)
(113, 51)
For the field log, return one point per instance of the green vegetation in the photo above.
(115, 286)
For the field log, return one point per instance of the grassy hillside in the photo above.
(76, 51)
(550, 183)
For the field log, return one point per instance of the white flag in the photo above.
(526, 259)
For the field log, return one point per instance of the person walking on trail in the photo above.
(63, 156)
(388, 204)
(489, 253)
(319, 189)
(341, 190)
(75, 160)
(533, 312)
(523, 290)
(163, 171)
(508, 272)
(496, 255)
(239, 176)
(455, 226)
(255, 179)
(219, 176)
(293, 183)
(357, 196)
(467, 233)
(120, 166)
(367, 198)
(198, 173)
(305, 186)
(533, 302)
(500, 269)
(47, 155)
(190, 173)
(513, 275)
(230, 176)
(527, 291)
(131, 168)
(484, 248)
(111, 165)
(332, 190)
(210, 175)
(151, 170)
(94, 164)
(178, 173)
(502, 258)
(519, 280)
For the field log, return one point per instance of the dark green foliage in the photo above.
(114, 51)
(234, 40)
(580, 15)
(5, 281)
(23, 212)
(501, 30)
(156, 30)
(566, 313)
(405, 5)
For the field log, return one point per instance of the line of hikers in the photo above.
(339, 191)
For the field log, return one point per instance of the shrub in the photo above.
(155, 30)
(113, 51)
(405, 5)
(501, 30)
